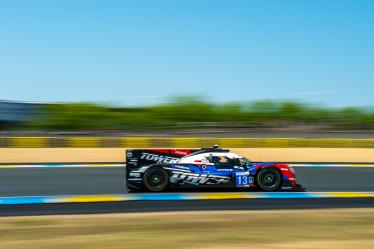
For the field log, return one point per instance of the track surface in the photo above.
(110, 180)
(156, 206)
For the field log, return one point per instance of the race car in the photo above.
(157, 170)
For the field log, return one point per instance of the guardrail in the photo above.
(146, 142)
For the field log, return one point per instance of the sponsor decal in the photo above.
(196, 179)
(158, 158)
(134, 174)
(180, 152)
(181, 167)
(242, 173)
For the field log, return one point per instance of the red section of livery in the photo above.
(180, 152)
(172, 152)
(286, 170)
(288, 173)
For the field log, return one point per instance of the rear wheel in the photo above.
(156, 179)
(269, 179)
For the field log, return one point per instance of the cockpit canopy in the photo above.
(223, 159)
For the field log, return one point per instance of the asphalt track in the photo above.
(110, 180)
(197, 205)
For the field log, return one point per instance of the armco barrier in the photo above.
(143, 142)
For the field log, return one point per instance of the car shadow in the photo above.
(220, 190)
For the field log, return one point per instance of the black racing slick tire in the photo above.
(156, 179)
(269, 179)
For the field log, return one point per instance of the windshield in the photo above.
(243, 159)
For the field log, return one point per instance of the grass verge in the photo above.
(301, 229)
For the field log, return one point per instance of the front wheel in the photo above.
(269, 179)
(156, 179)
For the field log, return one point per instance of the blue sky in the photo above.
(142, 52)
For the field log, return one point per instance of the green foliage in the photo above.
(190, 112)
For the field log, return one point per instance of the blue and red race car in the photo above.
(160, 169)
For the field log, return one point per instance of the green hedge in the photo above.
(143, 142)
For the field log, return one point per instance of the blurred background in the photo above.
(186, 116)
(82, 80)
(187, 68)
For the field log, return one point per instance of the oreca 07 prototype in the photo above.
(157, 170)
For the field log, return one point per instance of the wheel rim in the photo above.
(156, 179)
(269, 179)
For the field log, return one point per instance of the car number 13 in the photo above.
(243, 179)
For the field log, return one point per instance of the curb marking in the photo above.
(178, 197)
